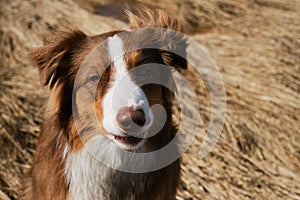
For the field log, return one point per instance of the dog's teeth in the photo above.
(127, 139)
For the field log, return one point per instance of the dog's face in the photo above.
(109, 85)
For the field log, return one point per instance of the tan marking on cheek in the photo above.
(99, 114)
(77, 141)
(102, 88)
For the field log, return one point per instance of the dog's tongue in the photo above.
(128, 139)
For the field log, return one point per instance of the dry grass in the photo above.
(256, 46)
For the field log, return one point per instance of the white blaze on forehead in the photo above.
(123, 91)
(116, 53)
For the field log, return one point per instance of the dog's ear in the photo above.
(54, 60)
(174, 50)
(168, 36)
(174, 60)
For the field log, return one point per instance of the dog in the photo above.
(99, 110)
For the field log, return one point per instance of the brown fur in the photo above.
(58, 64)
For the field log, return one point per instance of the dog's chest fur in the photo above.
(90, 179)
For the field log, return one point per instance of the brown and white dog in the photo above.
(97, 106)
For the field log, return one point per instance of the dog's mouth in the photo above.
(128, 140)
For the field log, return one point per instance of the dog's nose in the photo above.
(130, 118)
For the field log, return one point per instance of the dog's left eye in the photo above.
(94, 78)
(140, 71)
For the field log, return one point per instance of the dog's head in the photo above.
(117, 84)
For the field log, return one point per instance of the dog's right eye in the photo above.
(94, 78)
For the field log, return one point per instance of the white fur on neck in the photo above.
(84, 173)
(87, 173)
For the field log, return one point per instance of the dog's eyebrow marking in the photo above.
(116, 53)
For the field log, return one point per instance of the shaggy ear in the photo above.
(55, 59)
(173, 51)
(169, 36)
(174, 60)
